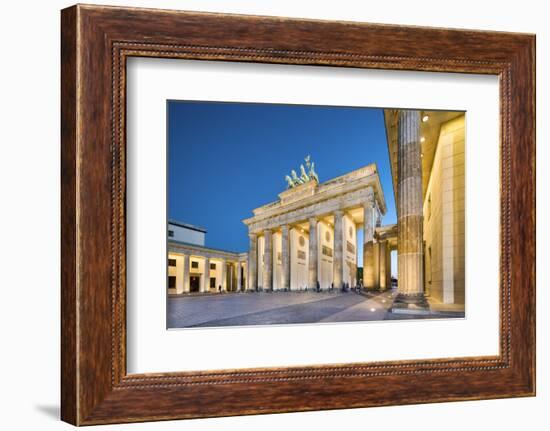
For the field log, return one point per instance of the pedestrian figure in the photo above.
(220, 288)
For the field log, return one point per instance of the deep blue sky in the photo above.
(226, 159)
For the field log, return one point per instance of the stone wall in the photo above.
(444, 227)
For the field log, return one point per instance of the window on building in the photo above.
(212, 266)
(171, 262)
(172, 282)
(212, 282)
(194, 264)
(301, 255)
(171, 233)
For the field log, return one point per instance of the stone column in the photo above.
(285, 255)
(206, 275)
(239, 275)
(186, 273)
(268, 259)
(368, 241)
(383, 246)
(313, 249)
(409, 213)
(338, 256)
(223, 276)
(376, 264)
(252, 257)
(388, 266)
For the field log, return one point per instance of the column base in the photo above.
(410, 304)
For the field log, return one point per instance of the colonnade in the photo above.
(195, 273)
(277, 259)
(378, 263)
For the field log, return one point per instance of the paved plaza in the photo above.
(262, 308)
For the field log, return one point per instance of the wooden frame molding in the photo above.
(95, 43)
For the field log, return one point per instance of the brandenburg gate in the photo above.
(307, 239)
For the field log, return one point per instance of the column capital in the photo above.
(409, 114)
(252, 235)
(369, 194)
(312, 220)
(369, 203)
(339, 213)
(268, 231)
(285, 228)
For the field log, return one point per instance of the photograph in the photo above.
(284, 214)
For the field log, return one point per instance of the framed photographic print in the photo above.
(269, 215)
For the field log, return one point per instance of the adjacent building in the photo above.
(195, 268)
(427, 157)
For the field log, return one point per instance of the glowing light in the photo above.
(373, 309)
(422, 139)
(425, 118)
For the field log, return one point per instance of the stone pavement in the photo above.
(262, 308)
